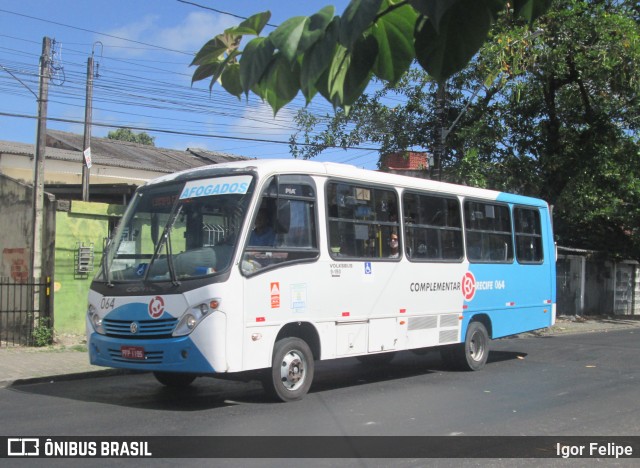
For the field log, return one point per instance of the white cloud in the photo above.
(193, 32)
(188, 35)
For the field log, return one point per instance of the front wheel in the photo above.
(174, 379)
(473, 353)
(291, 371)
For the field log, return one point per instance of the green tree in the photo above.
(337, 56)
(126, 134)
(551, 114)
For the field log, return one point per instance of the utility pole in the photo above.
(439, 151)
(38, 175)
(86, 146)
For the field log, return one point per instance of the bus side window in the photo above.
(528, 235)
(284, 229)
(363, 222)
(433, 228)
(488, 232)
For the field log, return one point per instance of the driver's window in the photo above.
(283, 228)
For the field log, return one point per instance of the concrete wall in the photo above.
(20, 167)
(17, 229)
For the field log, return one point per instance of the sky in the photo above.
(142, 50)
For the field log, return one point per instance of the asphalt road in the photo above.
(584, 384)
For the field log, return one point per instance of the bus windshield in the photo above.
(178, 231)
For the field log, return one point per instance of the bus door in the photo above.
(278, 262)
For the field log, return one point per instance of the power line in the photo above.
(116, 89)
(96, 32)
(175, 132)
(222, 12)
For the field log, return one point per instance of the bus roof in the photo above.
(268, 167)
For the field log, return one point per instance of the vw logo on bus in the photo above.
(133, 328)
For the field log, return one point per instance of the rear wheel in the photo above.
(174, 379)
(473, 353)
(291, 371)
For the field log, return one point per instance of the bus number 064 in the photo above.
(107, 303)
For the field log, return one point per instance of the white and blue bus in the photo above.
(270, 265)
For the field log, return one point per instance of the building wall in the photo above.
(84, 223)
(17, 229)
(70, 172)
(410, 160)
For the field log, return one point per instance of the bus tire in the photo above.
(174, 379)
(291, 370)
(472, 354)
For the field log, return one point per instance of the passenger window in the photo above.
(433, 228)
(488, 232)
(283, 229)
(528, 235)
(363, 222)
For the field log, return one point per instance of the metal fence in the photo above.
(25, 310)
(589, 283)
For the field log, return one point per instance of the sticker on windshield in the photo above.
(217, 186)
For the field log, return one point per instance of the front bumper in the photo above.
(178, 354)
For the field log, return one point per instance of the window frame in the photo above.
(426, 227)
(257, 251)
(389, 224)
(536, 210)
(510, 260)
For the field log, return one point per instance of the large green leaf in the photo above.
(531, 9)
(210, 52)
(287, 36)
(356, 19)
(281, 82)
(255, 60)
(315, 27)
(251, 26)
(394, 33)
(337, 75)
(230, 80)
(463, 29)
(350, 72)
(205, 71)
(358, 77)
(230, 59)
(433, 9)
(317, 59)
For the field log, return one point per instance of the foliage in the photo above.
(126, 134)
(337, 56)
(552, 114)
(43, 332)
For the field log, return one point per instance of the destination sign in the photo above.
(216, 186)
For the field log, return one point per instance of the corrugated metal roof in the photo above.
(26, 149)
(107, 152)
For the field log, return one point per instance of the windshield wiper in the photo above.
(165, 240)
(170, 265)
(106, 272)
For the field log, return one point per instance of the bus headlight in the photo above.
(194, 316)
(95, 319)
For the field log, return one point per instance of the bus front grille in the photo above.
(161, 328)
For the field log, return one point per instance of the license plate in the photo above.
(132, 352)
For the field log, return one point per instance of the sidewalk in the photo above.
(65, 360)
(70, 360)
